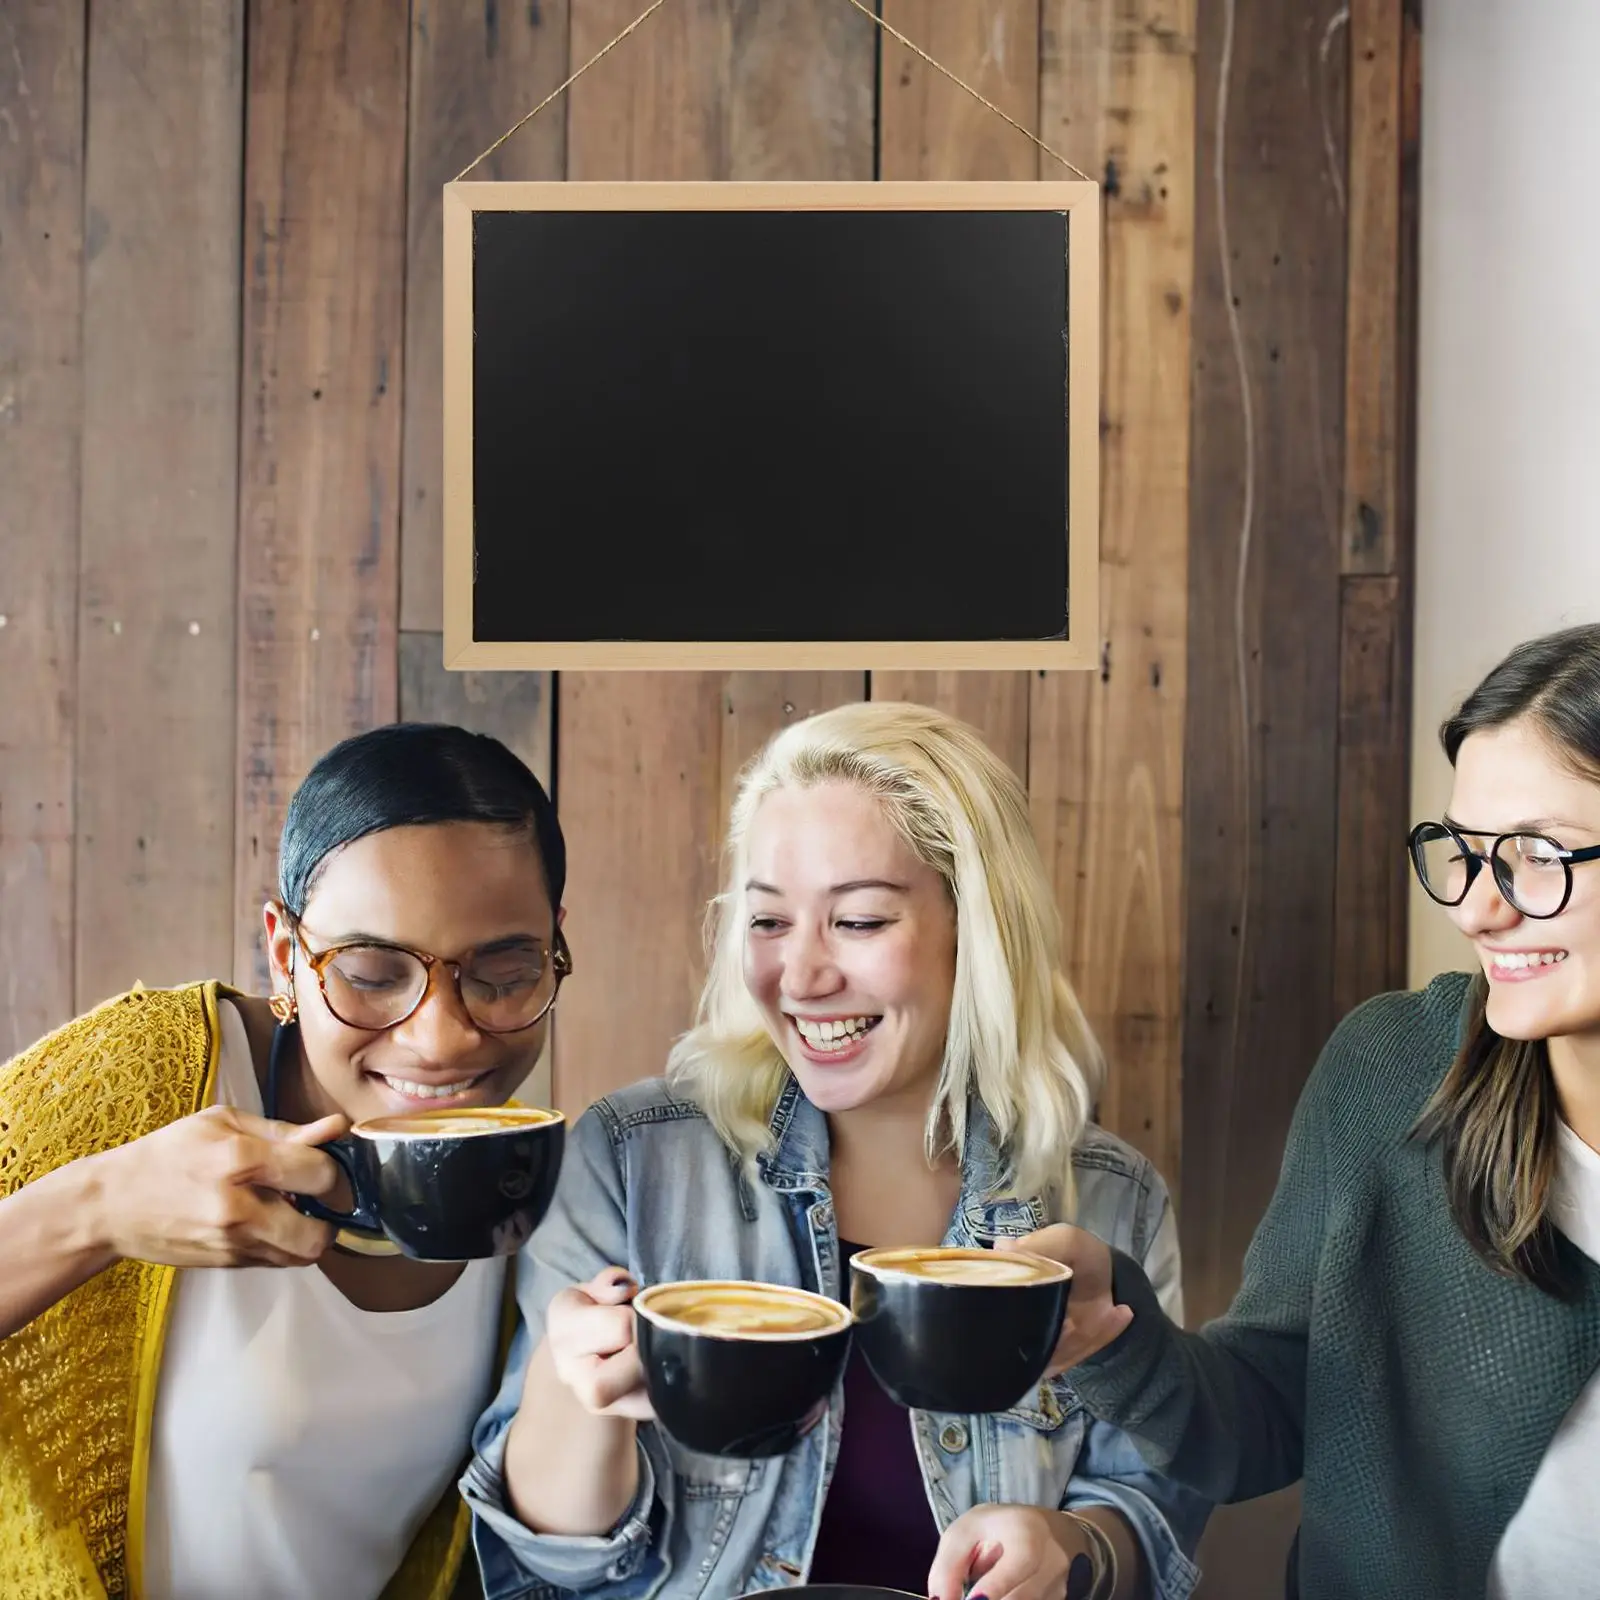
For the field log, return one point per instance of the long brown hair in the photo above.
(1495, 1114)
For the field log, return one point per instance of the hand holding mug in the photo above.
(1094, 1319)
(590, 1334)
(208, 1191)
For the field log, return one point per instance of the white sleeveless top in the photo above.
(298, 1442)
(1551, 1547)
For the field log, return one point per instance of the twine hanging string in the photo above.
(865, 10)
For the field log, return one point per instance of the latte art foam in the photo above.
(456, 1122)
(741, 1310)
(980, 1268)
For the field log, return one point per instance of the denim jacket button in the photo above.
(953, 1438)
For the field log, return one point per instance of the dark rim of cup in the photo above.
(527, 1117)
(843, 1317)
(873, 1263)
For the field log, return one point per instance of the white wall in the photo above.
(1508, 491)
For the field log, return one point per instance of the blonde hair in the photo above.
(1017, 1038)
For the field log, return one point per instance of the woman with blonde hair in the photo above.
(886, 1052)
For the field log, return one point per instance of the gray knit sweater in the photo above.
(1369, 1351)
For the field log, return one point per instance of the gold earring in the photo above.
(283, 1007)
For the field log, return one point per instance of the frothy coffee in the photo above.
(954, 1264)
(743, 1310)
(456, 1122)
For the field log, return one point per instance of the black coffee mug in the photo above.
(449, 1185)
(739, 1369)
(956, 1329)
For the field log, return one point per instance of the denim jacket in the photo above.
(647, 1184)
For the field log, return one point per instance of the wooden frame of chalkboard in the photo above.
(1068, 637)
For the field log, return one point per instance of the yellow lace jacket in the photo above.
(77, 1385)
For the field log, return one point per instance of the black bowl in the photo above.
(937, 1343)
(739, 1391)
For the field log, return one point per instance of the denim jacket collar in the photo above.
(798, 1162)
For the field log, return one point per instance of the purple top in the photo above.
(877, 1527)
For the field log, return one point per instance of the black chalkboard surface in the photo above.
(817, 425)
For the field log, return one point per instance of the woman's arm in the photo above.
(586, 1485)
(1221, 1411)
(560, 1495)
(53, 1238)
(202, 1192)
(1133, 1571)
(1152, 1522)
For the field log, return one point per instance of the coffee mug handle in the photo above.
(364, 1218)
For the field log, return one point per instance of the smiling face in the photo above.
(1544, 974)
(448, 889)
(850, 947)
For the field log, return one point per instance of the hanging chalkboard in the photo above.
(771, 425)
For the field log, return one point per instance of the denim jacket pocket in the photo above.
(1046, 1408)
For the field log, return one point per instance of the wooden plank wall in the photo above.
(219, 538)
(1299, 559)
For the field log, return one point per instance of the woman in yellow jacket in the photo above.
(294, 1426)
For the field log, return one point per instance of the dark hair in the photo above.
(1495, 1114)
(407, 773)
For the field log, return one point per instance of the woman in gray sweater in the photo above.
(1418, 1329)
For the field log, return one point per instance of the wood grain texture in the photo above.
(160, 494)
(1375, 698)
(1260, 817)
(639, 793)
(41, 258)
(707, 89)
(755, 705)
(1105, 764)
(324, 209)
(475, 71)
(928, 128)
(995, 703)
(1372, 345)
(1371, 888)
(514, 707)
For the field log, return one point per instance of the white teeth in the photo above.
(833, 1034)
(1517, 960)
(428, 1091)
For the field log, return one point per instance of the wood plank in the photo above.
(156, 639)
(1371, 436)
(41, 250)
(639, 790)
(1261, 756)
(721, 90)
(515, 707)
(1267, 526)
(1371, 887)
(928, 128)
(755, 705)
(324, 208)
(1106, 747)
(1373, 898)
(995, 703)
(475, 71)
